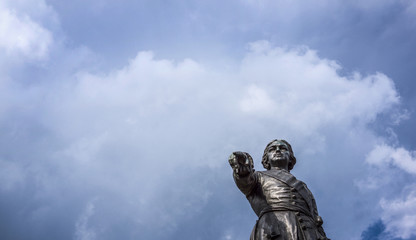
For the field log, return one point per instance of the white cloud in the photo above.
(399, 215)
(400, 157)
(309, 89)
(257, 100)
(398, 204)
(21, 36)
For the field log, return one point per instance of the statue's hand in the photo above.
(240, 163)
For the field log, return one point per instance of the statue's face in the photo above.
(278, 154)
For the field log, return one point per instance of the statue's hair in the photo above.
(265, 159)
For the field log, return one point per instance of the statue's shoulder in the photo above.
(282, 175)
(260, 176)
(277, 173)
(260, 172)
(266, 173)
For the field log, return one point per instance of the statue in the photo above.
(285, 207)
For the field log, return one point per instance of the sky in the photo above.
(117, 117)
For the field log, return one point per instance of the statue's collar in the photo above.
(279, 170)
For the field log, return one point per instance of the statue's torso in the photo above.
(270, 193)
(283, 212)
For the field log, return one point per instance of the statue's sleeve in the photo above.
(318, 219)
(246, 183)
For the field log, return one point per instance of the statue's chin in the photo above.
(279, 160)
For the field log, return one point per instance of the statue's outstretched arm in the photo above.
(243, 171)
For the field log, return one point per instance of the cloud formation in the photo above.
(124, 152)
(393, 167)
(399, 214)
(21, 35)
(399, 157)
(125, 132)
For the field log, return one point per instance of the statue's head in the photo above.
(286, 154)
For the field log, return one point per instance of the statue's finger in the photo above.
(232, 159)
(238, 154)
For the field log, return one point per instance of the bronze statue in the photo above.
(284, 205)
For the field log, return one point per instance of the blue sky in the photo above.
(117, 117)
